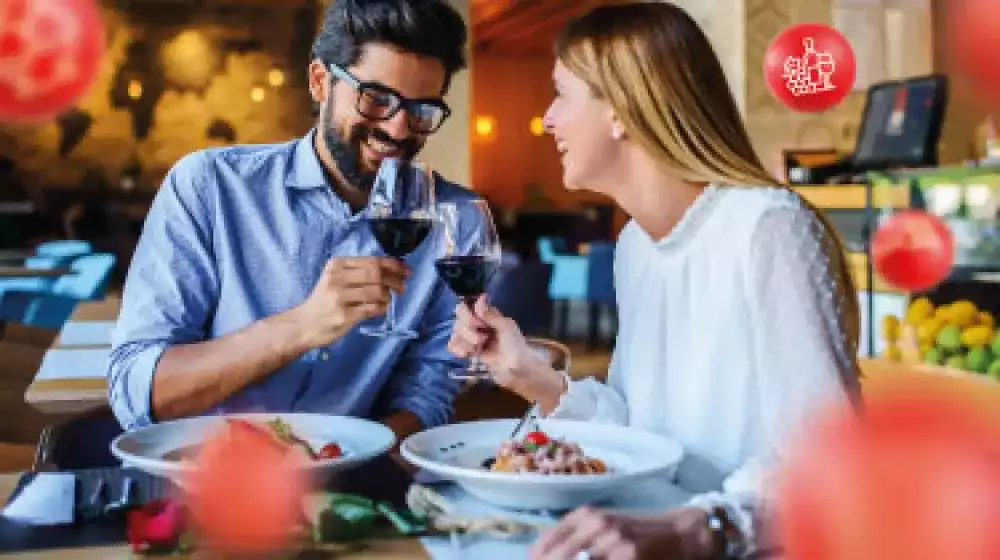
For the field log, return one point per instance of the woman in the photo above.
(738, 316)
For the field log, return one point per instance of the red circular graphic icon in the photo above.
(913, 251)
(918, 477)
(810, 67)
(973, 42)
(50, 52)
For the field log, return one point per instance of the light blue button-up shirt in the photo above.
(238, 234)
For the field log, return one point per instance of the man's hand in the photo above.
(350, 290)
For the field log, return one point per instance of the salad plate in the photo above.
(328, 443)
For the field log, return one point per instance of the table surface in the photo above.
(76, 394)
(395, 549)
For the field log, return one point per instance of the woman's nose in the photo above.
(548, 122)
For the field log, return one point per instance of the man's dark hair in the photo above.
(430, 28)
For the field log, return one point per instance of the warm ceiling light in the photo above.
(276, 77)
(257, 94)
(537, 126)
(134, 89)
(485, 125)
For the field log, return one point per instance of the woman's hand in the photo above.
(682, 534)
(498, 342)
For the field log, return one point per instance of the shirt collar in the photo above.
(305, 170)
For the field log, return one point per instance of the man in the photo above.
(254, 269)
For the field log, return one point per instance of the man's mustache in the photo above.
(407, 145)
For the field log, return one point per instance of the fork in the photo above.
(529, 415)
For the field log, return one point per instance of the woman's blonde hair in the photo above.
(656, 68)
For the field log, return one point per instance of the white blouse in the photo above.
(732, 332)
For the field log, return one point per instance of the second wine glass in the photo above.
(470, 258)
(400, 214)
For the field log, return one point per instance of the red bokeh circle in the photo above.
(246, 494)
(51, 52)
(913, 251)
(972, 41)
(917, 478)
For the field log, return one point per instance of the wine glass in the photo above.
(400, 214)
(468, 263)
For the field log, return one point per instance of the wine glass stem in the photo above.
(475, 363)
(390, 312)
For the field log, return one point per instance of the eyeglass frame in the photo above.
(404, 101)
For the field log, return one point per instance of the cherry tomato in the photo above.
(537, 438)
(330, 451)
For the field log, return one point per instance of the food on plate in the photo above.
(277, 432)
(539, 454)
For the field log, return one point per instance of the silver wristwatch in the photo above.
(729, 541)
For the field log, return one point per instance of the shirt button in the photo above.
(324, 355)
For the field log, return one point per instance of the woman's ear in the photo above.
(617, 128)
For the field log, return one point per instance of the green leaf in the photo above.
(405, 521)
(347, 517)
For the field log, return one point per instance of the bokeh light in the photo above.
(913, 251)
(246, 495)
(916, 477)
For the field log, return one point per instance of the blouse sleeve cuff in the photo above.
(576, 403)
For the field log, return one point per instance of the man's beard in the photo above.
(345, 147)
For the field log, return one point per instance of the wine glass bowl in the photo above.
(468, 263)
(400, 215)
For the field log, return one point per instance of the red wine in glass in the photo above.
(467, 275)
(399, 237)
(400, 215)
(468, 262)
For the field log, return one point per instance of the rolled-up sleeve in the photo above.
(421, 383)
(170, 292)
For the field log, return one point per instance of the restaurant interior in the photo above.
(183, 75)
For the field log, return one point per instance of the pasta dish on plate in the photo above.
(537, 453)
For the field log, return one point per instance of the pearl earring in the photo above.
(617, 133)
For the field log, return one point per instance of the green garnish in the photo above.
(347, 517)
(405, 521)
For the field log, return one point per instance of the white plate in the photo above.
(361, 440)
(456, 452)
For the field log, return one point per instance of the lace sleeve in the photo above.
(803, 352)
(803, 355)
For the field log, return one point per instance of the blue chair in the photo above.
(64, 248)
(32, 284)
(569, 277)
(50, 308)
(600, 286)
(520, 292)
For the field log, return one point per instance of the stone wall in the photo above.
(209, 76)
(239, 72)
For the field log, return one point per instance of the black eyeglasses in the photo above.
(380, 102)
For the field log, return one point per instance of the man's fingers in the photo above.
(360, 312)
(368, 275)
(391, 266)
(361, 294)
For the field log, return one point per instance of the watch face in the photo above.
(732, 539)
